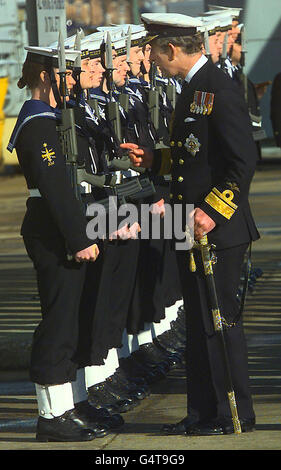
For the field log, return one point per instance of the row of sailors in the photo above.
(152, 343)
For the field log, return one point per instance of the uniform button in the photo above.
(180, 179)
(181, 161)
(171, 196)
(171, 161)
(179, 144)
(180, 197)
(172, 143)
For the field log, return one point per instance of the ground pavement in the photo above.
(20, 313)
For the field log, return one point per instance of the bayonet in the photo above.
(62, 68)
(243, 46)
(128, 44)
(207, 43)
(77, 65)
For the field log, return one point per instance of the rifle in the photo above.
(112, 108)
(154, 105)
(68, 138)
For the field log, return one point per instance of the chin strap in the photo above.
(55, 88)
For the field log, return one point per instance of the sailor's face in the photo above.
(136, 58)
(146, 54)
(86, 77)
(221, 36)
(121, 70)
(214, 48)
(70, 82)
(97, 71)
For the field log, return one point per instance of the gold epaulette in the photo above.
(165, 168)
(222, 202)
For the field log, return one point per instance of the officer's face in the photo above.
(163, 60)
(97, 69)
(136, 58)
(122, 68)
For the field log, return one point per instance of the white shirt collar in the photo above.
(200, 62)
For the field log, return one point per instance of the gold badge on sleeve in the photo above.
(48, 155)
(192, 145)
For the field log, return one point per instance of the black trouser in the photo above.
(206, 391)
(60, 284)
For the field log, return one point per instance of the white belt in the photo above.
(34, 193)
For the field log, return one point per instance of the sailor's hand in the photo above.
(139, 156)
(126, 233)
(203, 224)
(88, 254)
(158, 208)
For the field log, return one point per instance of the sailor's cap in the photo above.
(222, 20)
(117, 36)
(236, 11)
(91, 46)
(48, 56)
(170, 24)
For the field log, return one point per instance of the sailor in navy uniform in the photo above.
(213, 161)
(53, 227)
(115, 273)
(150, 295)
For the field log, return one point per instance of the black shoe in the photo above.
(134, 368)
(169, 341)
(149, 355)
(65, 428)
(180, 428)
(101, 416)
(100, 397)
(217, 428)
(119, 392)
(136, 383)
(174, 358)
(129, 389)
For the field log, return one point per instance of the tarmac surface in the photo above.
(20, 314)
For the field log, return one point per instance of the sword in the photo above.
(207, 260)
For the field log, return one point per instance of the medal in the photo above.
(202, 103)
(192, 145)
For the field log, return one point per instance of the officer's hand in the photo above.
(203, 224)
(88, 254)
(139, 156)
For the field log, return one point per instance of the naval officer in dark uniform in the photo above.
(213, 161)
